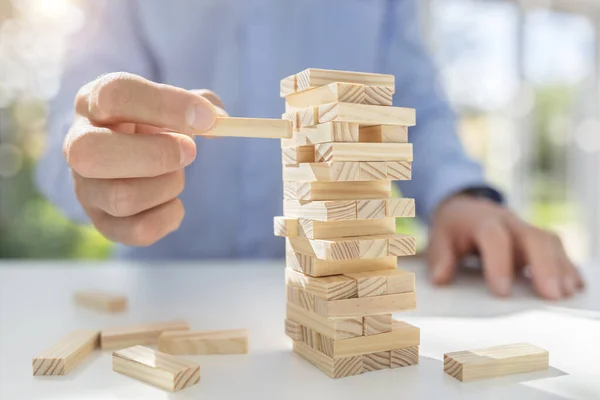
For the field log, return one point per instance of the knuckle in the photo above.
(110, 95)
(144, 232)
(166, 157)
(122, 198)
(79, 153)
(493, 229)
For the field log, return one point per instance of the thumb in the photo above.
(214, 99)
(441, 257)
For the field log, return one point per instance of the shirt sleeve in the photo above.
(109, 41)
(441, 167)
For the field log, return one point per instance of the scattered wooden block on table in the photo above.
(284, 226)
(333, 92)
(234, 341)
(333, 367)
(383, 134)
(100, 300)
(336, 329)
(61, 358)
(490, 362)
(334, 229)
(316, 267)
(328, 287)
(404, 357)
(340, 152)
(297, 155)
(377, 324)
(250, 127)
(155, 368)
(121, 337)
(348, 171)
(363, 114)
(336, 190)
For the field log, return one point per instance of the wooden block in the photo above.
(348, 171)
(378, 95)
(293, 330)
(371, 209)
(365, 115)
(400, 207)
(328, 287)
(250, 127)
(333, 92)
(377, 324)
(334, 210)
(508, 359)
(234, 341)
(316, 267)
(155, 368)
(314, 77)
(376, 361)
(396, 280)
(335, 229)
(336, 329)
(365, 306)
(337, 190)
(399, 244)
(383, 134)
(284, 226)
(326, 133)
(61, 358)
(121, 337)
(307, 117)
(287, 85)
(331, 152)
(297, 155)
(372, 171)
(404, 357)
(369, 284)
(293, 118)
(100, 300)
(399, 171)
(334, 368)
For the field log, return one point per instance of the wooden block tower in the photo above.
(339, 221)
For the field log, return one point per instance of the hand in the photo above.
(128, 147)
(464, 224)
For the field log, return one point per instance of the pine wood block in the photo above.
(369, 284)
(334, 210)
(336, 190)
(284, 226)
(334, 229)
(372, 170)
(399, 171)
(324, 133)
(376, 361)
(336, 329)
(348, 171)
(399, 244)
(378, 95)
(364, 115)
(316, 267)
(121, 337)
(370, 209)
(307, 117)
(314, 77)
(377, 324)
(100, 300)
(333, 92)
(155, 368)
(293, 118)
(404, 357)
(293, 330)
(234, 341)
(287, 85)
(334, 368)
(328, 287)
(61, 358)
(250, 127)
(383, 134)
(490, 362)
(400, 207)
(340, 152)
(396, 281)
(297, 155)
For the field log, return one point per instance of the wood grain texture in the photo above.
(298, 154)
(334, 210)
(155, 368)
(399, 244)
(293, 118)
(336, 329)
(333, 92)
(399, 171)
(328, 287)
(344, 152)
(336, 190)
(62, 357)
(369, 284)
(100, 300)
(250, 127)
(234, 341)
(490, 362)
(316, 267)
(324, 133)
(400, 208)
(335, 229)
(378, 96)
(377, 324)
(334, 368)
(285, 226)
(370, 209)
(121, 337)
(404, 357)
(364, 115)
(376, 361)
(383, 134)
(383, 282)
(287, 85)
(293, 330)
(348, 171)
(315, 77)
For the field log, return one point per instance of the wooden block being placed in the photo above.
(121, 337)
(328, 287)
(293, 330)
(370, 209)
(365, 115)
(293, 118)
(250, 127)
(297, 155)
(316, 267)
(100, 300)
(155, 368)
(337, 190)
(377, 324)
(378, 95)
(326, 133)
(376, 361)
(331, 152)
(331, 93)
(233, 341)
(400, 207)
(315, 77)
(336, 329)
(334, 368)
(404, 357)
(61, 358)
(284, 226)
(509, 359)
(383, 134)
(334, 210)
(335, 229)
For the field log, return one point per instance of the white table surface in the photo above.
(36, 310)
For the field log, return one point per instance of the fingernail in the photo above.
(187, 152)
(553, 289)
(503, 286)
(201, 116)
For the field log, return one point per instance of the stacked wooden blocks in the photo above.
(339, 222)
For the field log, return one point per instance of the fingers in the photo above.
(127, 197)
(142, 229)
(442, 259)
(494, 244)
(101, 153)
(126, 98)
(210, 96)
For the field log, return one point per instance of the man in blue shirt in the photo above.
(127, 155)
